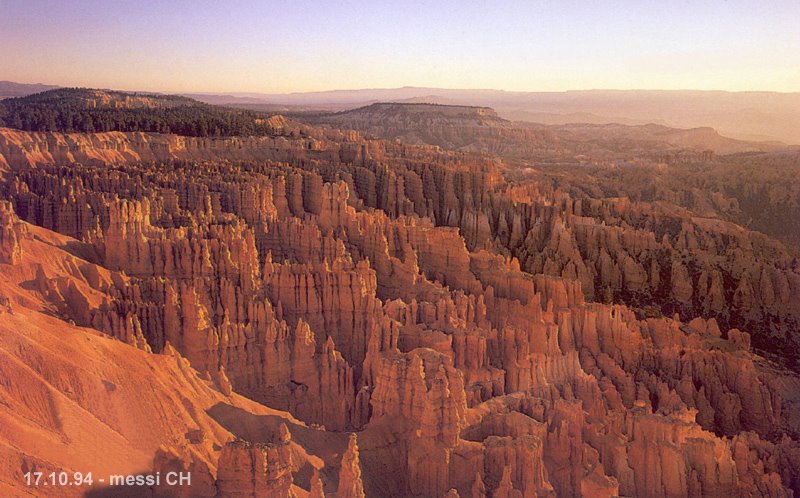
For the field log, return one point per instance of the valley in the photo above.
(402, 300)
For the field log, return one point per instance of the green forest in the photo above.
(71, 110)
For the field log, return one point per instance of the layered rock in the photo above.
(455, 320)
(350, 485)
(10, 233)
(251, 470)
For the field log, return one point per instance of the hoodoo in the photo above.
(316, 311)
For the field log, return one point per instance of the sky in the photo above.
(297, 45)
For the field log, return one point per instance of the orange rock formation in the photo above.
(262, 301)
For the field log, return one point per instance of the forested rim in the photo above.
(76, 110)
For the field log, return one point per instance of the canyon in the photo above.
(413, 303)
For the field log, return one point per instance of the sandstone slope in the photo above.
(414, 296)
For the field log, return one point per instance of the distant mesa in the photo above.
(425, 108)
(759, 116)
(481, 129)
(751, 116)
(10, 89)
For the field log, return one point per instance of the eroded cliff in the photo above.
(452, 319)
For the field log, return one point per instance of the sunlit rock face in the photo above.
(321, 313)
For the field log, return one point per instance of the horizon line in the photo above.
(404, 87)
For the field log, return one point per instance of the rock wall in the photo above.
(454, 320)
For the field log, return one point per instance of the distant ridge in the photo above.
(480, 128)
(761, 116)
(11, 89)
(448, 110)
(764, 116)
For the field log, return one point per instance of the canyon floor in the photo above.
(403, 300)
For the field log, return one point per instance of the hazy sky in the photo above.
(291, 45)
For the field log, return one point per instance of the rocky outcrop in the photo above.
(106, 407)
(472, 330)
(350, 485)
(476, 129)
(10, 233)
(255, 470)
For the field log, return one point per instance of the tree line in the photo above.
(66, 110)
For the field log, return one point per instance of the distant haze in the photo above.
(760, 116)
(276, 47)
(753, 116)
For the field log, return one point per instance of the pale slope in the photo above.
(72, 399)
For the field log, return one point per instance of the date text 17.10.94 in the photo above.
(64, 478)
